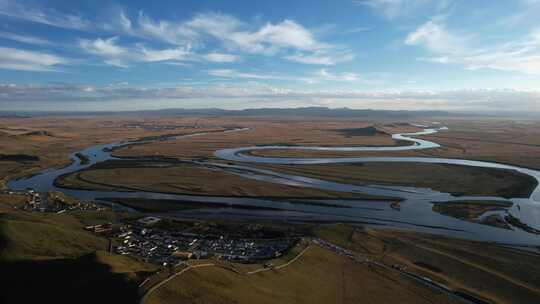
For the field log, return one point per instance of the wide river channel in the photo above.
(415, 211)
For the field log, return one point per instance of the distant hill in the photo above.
(321, 112)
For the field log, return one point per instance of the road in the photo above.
(343, 252)
(419, 279)
(158, 285)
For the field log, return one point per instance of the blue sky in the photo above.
(386, 54)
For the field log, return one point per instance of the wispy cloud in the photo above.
(394, 8)
(178, 33)
(434, 36)
(112, 53)
(287, 38)
(23, 60)
(272, 37)
(450, 47)
(102, 47)
(175, 54)
(312, 78)
(320, 58)
(220, 57)
(24, 38)
(213, 37)
(229, 73)
(472, 100)
(325, 75)
(268, 39)
(124, 56)
(234, 34)
(356, 30)
(49, 17)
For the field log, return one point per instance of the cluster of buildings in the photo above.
(49, 202)
(166, 247)
(145, 239)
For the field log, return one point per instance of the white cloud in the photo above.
(395, 8)
(268, 96)
(356, 30)
(220, 57)
(449, 47)
(113, 54)
(320, 58)
(177, 54)
(204, 34)
(16, 59)
(121, 56)
(434, 36)
(287, 34)
(325, 75)
(217, 25)
(318, 76)
(116, 62)
(283, 37)
(124, 56)
(268, 39)
(102, 47)
(44, 16)
(229, 73)
(24, 38)
(125, 22)
(172, 32)
(233, 34)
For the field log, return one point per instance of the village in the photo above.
(51, 202)
(144, 239)
(165, 247)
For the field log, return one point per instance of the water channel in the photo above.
(415, 211)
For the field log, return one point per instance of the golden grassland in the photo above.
(488, 271)
(469, 210)
(9, 201)
(512, 142)
(41, 252)
(495, 140)
(458, 180)
(52, 139)
(498, 140)
(262, 132)
(50, 256)
(319, 276)
(30, 236)
(54, 248)
(189, 179)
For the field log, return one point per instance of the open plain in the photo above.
(377, 263)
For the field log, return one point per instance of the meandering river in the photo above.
(415, 210)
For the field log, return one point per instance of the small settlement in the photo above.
(165, 247)
(50, 202)
(145, 239)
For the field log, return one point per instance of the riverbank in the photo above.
(175, 177)
(454, 179)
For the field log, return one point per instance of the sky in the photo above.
(83, 55)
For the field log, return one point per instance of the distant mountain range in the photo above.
(316, 112)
